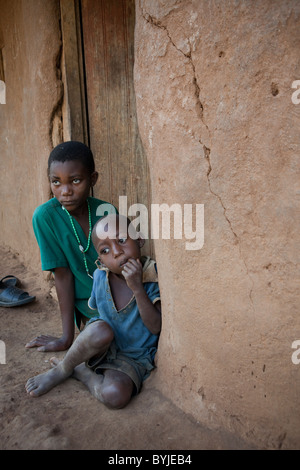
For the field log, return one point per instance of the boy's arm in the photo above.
(64, 283)
(150, 313)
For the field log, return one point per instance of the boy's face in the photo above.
(113, 244)
(70, 183)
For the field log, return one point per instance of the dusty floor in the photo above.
(68, 417)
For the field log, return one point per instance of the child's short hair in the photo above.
(126, 225)
(72, 150)
(116, 218)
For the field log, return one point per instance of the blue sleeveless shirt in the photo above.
(131, 336)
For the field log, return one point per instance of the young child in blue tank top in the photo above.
(115, 352)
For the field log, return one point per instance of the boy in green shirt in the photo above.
(63, 227)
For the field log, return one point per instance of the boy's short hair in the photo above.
(117, 217)
(126, 224)
(72, 150)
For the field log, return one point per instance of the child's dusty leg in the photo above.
(94, 339)
(113, 388)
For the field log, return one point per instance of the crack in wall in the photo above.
(207, 156)
(56, 121)
(150, 19)
(155, 22)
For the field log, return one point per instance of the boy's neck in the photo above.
(80, 212)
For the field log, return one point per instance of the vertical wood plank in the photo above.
(108, 37)
(74, 92)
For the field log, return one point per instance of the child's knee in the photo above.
(100, 334)
(115, 396)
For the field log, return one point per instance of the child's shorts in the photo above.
(115, 360)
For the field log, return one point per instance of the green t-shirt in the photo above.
(59, 247)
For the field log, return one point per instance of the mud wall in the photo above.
(213, 82)
(31, 50)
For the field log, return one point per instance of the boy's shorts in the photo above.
(115, 360)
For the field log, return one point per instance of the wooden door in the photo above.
(108, 44)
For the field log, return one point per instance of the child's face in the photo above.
(115, 247)
(70, 183)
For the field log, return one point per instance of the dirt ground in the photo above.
(68, 417)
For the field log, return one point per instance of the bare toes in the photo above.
(54, 361)
(30, 385)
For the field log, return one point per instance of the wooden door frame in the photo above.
(75, 106)
(75, 117)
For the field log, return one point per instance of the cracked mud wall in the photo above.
(30, 121)
(213, 87)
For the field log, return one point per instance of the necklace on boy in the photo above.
(83, 250)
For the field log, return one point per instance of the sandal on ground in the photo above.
(11, 296)
(11, 280)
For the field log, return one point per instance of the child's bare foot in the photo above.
(54, 361)
(43, 383)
